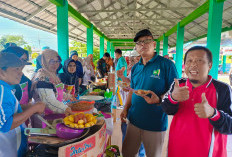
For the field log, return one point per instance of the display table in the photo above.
(92, 143)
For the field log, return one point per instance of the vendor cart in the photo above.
(91, 143)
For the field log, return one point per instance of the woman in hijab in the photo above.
(88, 73)
(79, 67)
(69, 77)
(48, 88)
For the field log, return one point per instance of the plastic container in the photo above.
(90, 111)
(67, 133)
(81, 105)
(108, 94)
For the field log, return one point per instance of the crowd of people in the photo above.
(22, 99)
(201, 106)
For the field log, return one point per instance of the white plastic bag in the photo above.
(109, 125)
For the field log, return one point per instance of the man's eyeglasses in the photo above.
(54, 62)
(147, 41)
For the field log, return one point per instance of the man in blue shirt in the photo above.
(147, 121)
(121, 64)
(13, 141)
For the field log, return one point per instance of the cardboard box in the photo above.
(92, 146)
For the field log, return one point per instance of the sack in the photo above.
(109, 123)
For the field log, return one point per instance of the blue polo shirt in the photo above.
(157, 75)
(122, 63)
(13, 142)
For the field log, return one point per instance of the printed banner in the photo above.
(93, 146)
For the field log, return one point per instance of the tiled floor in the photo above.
(117, 136)
(117, 133)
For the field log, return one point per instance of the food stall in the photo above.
(83, 134)
(93, 140)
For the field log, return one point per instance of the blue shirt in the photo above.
(13, 142)
(157, 75)
(120, 64)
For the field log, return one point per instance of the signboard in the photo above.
(92, 146)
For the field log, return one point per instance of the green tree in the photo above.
(81, 48)
(28, 48)
(17, 39)
(96, 53)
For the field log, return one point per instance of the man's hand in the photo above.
(180, 93)
(39, 107)
(79, 81)
(154, 99)
(123, 115)
(68, 111)
(203, 109)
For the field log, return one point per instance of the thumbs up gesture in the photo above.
(180, 93)
(203, 109)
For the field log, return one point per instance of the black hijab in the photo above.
(67, 77)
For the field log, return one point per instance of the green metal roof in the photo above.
(118, 21)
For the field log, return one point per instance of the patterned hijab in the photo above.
(44, 74)
(87, 64)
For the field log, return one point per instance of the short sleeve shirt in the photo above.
(157, 75)
(13, 142)
(122, 63)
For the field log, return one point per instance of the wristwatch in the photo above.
(214, 114)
